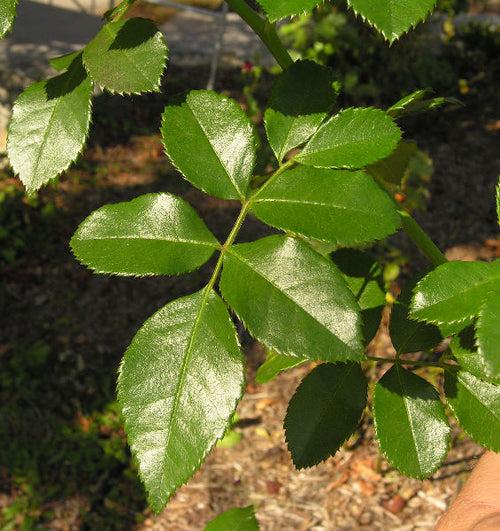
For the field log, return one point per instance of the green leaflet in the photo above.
(454, 292)
(410, 422)
(300, 100)
(179, 383)
(292, 299)
(408, 335)
(239, 519)
(50, 122)
(488, 334)
(63, 62)
(274, 364)
(324, 412)
(476, 404)
(393, 168)
(392, 18)
(7, 15)
(338, 206)
(419, 102)
(364, 278)
(276, 9)
(127, 56)
(212, 142)
(465, 352)
(154, 234)
(351, 139)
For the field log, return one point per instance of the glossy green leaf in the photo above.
(393, 168)
(324, 412)
(179, 383)
(63, 62)
(409, 335)
(239, 519)
(127, 56)
(351, 139)
(464, 350)
(300, 100)
(476, 404)
(392, 18)
(454, 292)
(292, 299)
(364, 277)
(410, 422)
(276, 9)
(274, 364)
(212, 142)
(50, 122)
(154, 234)
(420, 101)
(338, 206)
(488, 333)
(7, 15)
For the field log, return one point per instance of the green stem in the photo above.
(414, 231)
(264, 29)
(417, 363)
(227, 244)
(421, 239)
(271, 179)
(245, 207)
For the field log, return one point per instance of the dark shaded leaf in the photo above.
(300, 100)
(324, 412)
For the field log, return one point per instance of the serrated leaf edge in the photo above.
(156, 87)
(448, 403)
(289, 353)
(293, 14)
(393, 37)
(477, 342)
(347, 437)
(255, 145)
(382, 450)
(466, 319)
(351, 242)
(208, 450)
(355, 110)
(30, 190)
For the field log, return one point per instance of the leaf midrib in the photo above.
(181, 380)
(414, 440)
(492, 278)
(318, 203)
(147, 238)
(70, 75)
(112, 34)
(477, 399)
(232, 252)
(326, 409)
(217, 156)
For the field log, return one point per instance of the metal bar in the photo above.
(218, 44)
(192, 9)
